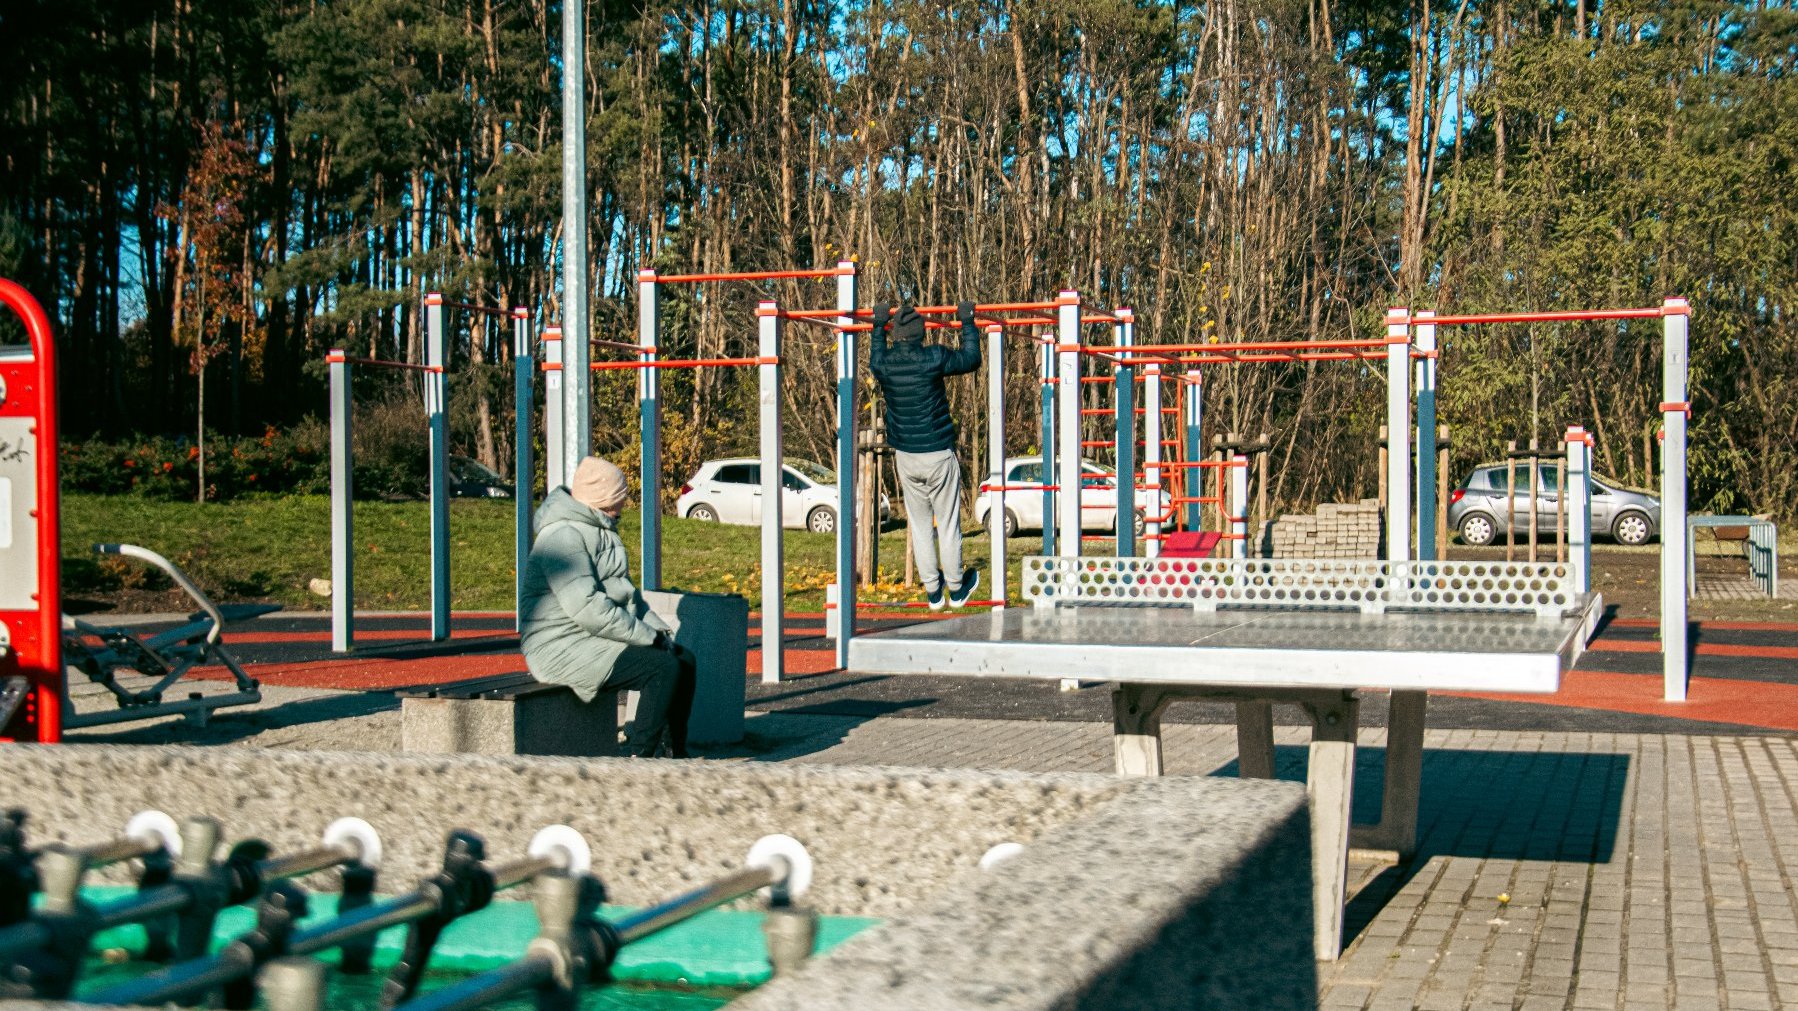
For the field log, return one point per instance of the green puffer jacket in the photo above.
(580, 608)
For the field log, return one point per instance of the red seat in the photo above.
(1191, 544)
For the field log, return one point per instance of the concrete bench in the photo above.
(507, 714)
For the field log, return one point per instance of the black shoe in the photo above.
(970, 581)
(935, 595)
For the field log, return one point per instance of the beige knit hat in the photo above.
(598, 485)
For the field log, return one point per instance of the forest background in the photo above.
(209, 194)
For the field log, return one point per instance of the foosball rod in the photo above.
(778, 864)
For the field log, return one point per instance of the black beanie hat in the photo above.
(908, 325)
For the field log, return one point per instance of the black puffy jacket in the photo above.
(911, 375)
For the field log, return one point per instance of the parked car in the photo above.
(730, 491)
(1477, 509)
(470, 479)
(1098, 498)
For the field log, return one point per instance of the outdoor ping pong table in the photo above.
(1258, 632)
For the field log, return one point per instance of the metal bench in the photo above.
(1759, 540)
(507, 714)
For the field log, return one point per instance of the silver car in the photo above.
(1478, 508)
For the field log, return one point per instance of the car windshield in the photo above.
(817, 472)
(466, 469)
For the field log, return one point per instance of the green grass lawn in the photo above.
(271, 549)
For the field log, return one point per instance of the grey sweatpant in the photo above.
(931, 483)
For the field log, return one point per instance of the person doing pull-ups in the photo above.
(922, 435)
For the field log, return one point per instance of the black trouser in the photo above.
(664, 682)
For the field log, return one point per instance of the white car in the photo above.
(1098, 498)
(730, 491)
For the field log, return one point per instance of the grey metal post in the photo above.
(1426, 438)
(649, 422)
(1048, 440)
(1578, 496)
(553, 462)
(1674, 321)
(1398, 435)
(1067, 352)
(436, 409)
(524, 473)
(1124, 382)
(577, 402)
(1239, 506)
(995, 455)
(846, 462)
(1192, 424)
(1151, 451)
(768, 327)
(343, 538)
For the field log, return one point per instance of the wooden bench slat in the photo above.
(471, 688)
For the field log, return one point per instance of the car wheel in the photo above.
(1011, 524)
(1477, 530)
(1141, 525)
(702, 513)
(822, 520)
(1631, 528)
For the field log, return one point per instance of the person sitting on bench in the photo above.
(584, 625)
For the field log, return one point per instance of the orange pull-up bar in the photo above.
(744, 275)
(1571, 315)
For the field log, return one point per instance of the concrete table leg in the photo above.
(1330, 785)
(1397, 830)
(1136, 728)
(1255, 739)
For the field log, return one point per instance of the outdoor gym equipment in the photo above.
(1675, 315)
(31, 671)
(436, 402)
(102, 652)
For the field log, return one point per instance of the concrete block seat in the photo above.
(507, 714)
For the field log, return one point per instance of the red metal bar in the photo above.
(1020, 487)
(436, 299)
(36, 636)
(1247, 346)
(385, 364)
(742, 275)
(683, 363)
(1547, 317)
(622, 346)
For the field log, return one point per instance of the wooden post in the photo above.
(1442, 462)
(1510, 499)
(1561, 509)
(1535, 487)
(1382, 470)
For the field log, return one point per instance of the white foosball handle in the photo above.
(156, 826)
(565, 846)
(357, 835)
(786, 857)
(999, 854)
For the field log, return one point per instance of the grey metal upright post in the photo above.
(649, 421)
(524, 474)
(1579, 506)
(553, 461)
(1048, 440)
(1192, 478)
(846, 518)
(1426, 438)
(1674, 408)
(436, 409)
(1398, 435)
(768, 326)
(1151, 451)
(1124, 381)
(995, 455)
(343, 537)
(577, 353)
(1067, 353)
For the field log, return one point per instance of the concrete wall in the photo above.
(1173, 892)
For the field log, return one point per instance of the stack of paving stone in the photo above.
(1336, 530)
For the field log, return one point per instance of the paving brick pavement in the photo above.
(1555, 869)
